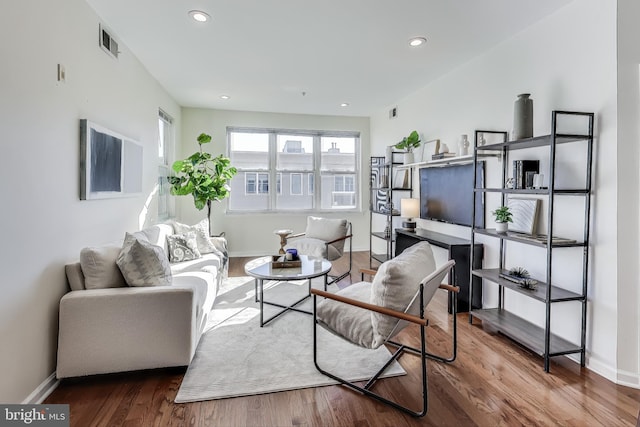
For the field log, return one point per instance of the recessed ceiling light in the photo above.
(225, 96)
(344, 104)
(199, 15)
(417, 41)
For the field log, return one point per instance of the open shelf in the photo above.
(509, 323)
(537, 141)
(446, 161)
(379, 257)
(540, 293)
(381, 235)
(533, 191)
(528, 239)
(386, 189)
(525, 332)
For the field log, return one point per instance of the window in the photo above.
(313, 170)
(165, 147)
(343, 194)
(250, 183)
(263, 183)
(256, 183)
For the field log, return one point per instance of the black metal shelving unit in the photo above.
(538, 339)
(381, 190)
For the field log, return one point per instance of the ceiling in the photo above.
(303, 56)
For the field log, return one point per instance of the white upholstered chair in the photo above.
(372, 314)
(324, 238)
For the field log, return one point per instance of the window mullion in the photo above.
(317, 166)
(273, 157)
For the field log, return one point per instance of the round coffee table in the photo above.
(262, 269)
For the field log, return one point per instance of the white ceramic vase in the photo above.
(408, 157)
(501, 227)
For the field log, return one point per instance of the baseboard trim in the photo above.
(42, 391)
(629, 379)
(603, 369)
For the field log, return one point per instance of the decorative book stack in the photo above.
(523, 171)
(442, 156)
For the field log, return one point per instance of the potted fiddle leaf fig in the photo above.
(408, 143)
(503, 216)
(202, 176)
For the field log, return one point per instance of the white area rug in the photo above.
(236, 357)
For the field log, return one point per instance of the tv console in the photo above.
(459, 250)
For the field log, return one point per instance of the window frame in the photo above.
(298, 175)
(314, 178)
(166, 141)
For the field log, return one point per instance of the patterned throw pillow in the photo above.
(201, 230)
(183, 247)
(143, 264)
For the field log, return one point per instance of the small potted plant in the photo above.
(408, 143)
(503, 216)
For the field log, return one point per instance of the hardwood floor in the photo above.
(493, 382)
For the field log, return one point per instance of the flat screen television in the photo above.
(446, 194)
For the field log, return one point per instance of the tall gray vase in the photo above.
(523, 117)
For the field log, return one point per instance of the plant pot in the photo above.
(408, 157)
(501, 227)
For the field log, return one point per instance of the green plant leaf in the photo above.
(203, 138)
(202, 176)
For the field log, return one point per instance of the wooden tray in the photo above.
(276, 263)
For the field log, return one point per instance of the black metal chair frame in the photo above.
(421, 321)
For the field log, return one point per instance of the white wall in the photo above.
(252, 234)
(45, 223)
(566, 61)
(628, 184)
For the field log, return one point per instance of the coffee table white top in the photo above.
(311, 267)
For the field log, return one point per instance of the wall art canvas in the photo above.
(380, 201)
(429, 149)
(525, 214)
(110, 164)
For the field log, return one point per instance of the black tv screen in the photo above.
(446, 194)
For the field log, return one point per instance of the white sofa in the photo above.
(106, 326)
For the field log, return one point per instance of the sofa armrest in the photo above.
(124, 329)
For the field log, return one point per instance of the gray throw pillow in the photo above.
(201, 230)
(183, 247)
(143, 264)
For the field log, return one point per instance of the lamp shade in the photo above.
(409, 208)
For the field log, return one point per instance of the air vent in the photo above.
(108, 43)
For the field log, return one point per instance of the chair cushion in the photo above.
(327, 229)
(313, 248)
(396, 283)
(99, 267)
(347, 321)
(143, 264)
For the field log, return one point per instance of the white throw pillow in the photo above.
(183, 247)
(327, 230)
(99, 267)
(349, 321)
(143, 264)
(396, 283)
(201, 229)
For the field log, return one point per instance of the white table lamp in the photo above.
(409, 208)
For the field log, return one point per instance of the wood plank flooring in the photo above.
(493, 382)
